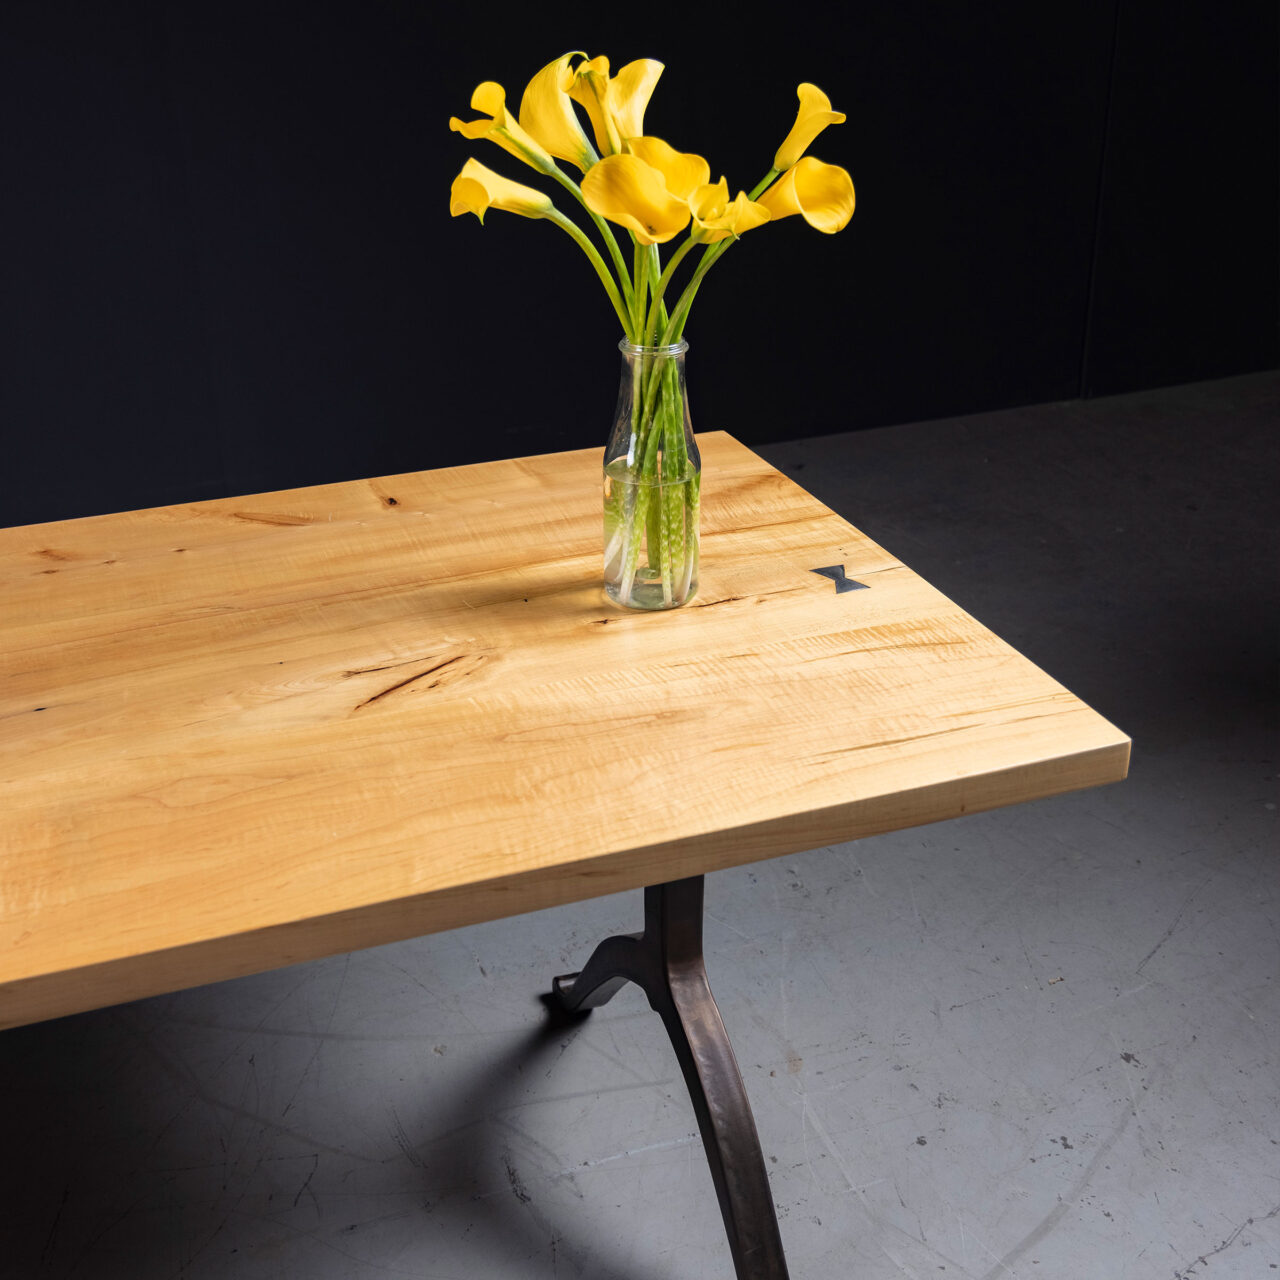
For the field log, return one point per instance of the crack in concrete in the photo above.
(1188, 1272)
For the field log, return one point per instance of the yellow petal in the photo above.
(813, 116)
(629, 93)
(501, 127)
(477, 189)
(822, 194)
(547, 114)
(716, 217)
(468, 196)
(489, 97)
(710, 199)
(589, 86)
(682, 171)
(615, 104)
(633, 194)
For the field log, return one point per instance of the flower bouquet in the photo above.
(652, 474)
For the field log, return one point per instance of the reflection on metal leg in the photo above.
(666, 962)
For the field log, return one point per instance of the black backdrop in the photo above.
(228, 263)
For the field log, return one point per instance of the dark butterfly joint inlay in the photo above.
(836, 573)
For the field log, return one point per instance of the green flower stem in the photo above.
(763, 183)
(675, 328)
(611, 241)
(637, 398)
(671, 494)
(655, 275)
(641, 291)
(647, 443)
(640, 521)
(655, 269)
(610, 286)
(691, 515)
(606, 232)
(674, 449)
(631, 547)
(651, 480)
(651, 325)
(647, 437)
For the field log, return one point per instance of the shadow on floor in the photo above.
(103, 1185)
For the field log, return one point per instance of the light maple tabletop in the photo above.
(244, 733)
(241, 733)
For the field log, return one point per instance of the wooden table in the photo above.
(244, 733)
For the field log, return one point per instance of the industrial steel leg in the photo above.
(666, 961)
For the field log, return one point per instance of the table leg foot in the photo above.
(614, 963)
(666, 961)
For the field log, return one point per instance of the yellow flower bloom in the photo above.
(682, 171)
(477, 189)
(615, 105)
(547, 114)
(716, 217)
(822, 194)
(588, 87)
(629, 93)
(814, 115)
(634, 194)
(501, 127)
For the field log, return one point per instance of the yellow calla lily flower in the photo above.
(716, 217)
(501, 127)
(822, 194)
(615, 105)
(629, 93)
(814, 115)
(547, 114)
(477, 189)
(634, 194)
(682, 171)
(588, 87)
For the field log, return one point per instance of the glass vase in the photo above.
(652, 477)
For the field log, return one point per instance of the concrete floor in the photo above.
(1034, 1043)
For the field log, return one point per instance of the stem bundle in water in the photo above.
(652, 482)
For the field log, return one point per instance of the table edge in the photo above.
(124, 979)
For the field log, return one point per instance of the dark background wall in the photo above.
(228, 263)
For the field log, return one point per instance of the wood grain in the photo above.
(243, 733)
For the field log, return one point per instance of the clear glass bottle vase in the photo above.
(652, 477)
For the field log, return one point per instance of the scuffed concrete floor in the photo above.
(1034, 1043)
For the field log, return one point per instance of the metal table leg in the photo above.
(666, 961)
